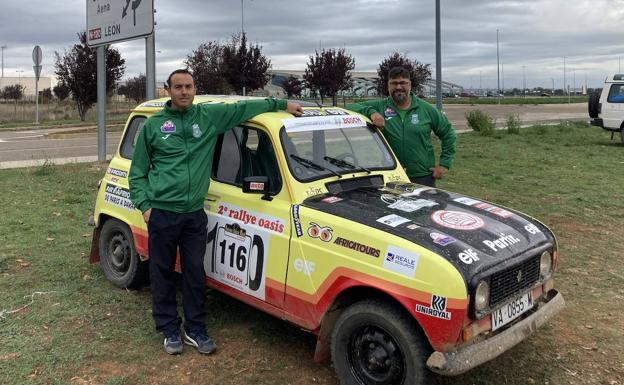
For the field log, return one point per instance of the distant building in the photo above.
(28, 83)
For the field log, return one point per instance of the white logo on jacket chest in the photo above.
(197, 132)
(415, 119)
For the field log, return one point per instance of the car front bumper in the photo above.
(464, 359)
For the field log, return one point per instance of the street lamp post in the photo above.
(438, 58)
(497, 70)
(3, 47)
(524, 89)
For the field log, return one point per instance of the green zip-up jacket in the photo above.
(172, 160)
(410, 138)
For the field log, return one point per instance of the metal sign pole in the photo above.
(150, 70)
(101, 102)
(37, 56)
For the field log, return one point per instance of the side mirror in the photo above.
(257, 185)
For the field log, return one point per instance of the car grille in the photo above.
(511, 282)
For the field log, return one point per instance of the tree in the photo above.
(46, 95)
(206, 64)
(134, 89)
(78, 70)
(419, 73)
(245, 67)
(328, 72)
(61, 91)
(15, 92)
(292, 86)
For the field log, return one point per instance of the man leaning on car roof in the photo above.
(169, 178)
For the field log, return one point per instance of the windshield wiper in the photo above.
(309, 164)
(344, 164)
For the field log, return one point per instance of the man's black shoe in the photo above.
(173, 344)
(201, 341)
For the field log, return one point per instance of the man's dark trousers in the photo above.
(427, 180)
(167, 231)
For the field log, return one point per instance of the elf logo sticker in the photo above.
(436, 309)
(457, 220)
(532, 229)
(468, 256)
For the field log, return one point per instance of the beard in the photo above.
(399, 97)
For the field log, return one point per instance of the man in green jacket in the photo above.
(407, 122)
(169, 178)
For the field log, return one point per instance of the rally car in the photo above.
(313, 220)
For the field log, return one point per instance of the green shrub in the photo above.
(513, 124)
(481, 122)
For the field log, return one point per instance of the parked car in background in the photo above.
(313, 220)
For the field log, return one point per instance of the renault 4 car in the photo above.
(313, 220)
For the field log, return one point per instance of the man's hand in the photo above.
(147, 214)
(438, 171)
(294, 108)
(378, 120)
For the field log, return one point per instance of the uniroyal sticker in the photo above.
(409, 205)
(457, 220)
(118, 196)
(324, 233)
(273, 224)
(331, 199)
(436, 309)
(392, 220)
(315, 123)
(297, 221)
(467, 201)
(357, 246)
(442, 239)
(532, 229)
(401, 261)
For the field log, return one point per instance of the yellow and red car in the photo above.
(313, 220)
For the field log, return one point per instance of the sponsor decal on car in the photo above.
(532, 229)
(467, 201)
(315, 123)
(302, 266)
(168, 127)
(335, 111)
(117, 172)
(412, 226)
(118, 196)
(323, 233)
(436, 309)
(401, 261)
(297, 221)
(312, 191)
(417, 191)
(442, 239)
(392, 220)
(457, 220)
(247, 217)
(501, 242)
(362, 248)
(411, 205)
(494, 210)
(256, 186)
(332, 199)
(468, 256)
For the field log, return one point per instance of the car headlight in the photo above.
(482, 296)
(545, 264)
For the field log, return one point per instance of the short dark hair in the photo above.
(398, 72)
(178, 71)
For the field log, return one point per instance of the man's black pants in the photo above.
(168, 231)
(427, 180)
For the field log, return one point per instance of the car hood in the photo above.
(474, 235)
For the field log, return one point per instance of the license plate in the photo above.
(511, 310)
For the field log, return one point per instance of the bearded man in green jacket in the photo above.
(169, 178)
(407, 122)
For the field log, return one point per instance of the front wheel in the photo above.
(374, 343)
(118, 257)
(622, 135)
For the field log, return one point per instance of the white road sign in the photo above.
(110, 21)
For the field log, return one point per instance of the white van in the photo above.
(607, 108)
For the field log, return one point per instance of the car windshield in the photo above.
(319, 148)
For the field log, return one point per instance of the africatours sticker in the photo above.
(272, 224)
(401, 261)
(436, 309)
(117, 172)
(457, 220)
(237, 255)
(362, 248)
(392, 220)
(118, 196)
(297, 221)
(324, 233)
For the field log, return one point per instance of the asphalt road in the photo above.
(34, 147)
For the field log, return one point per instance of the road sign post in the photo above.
(37, 56)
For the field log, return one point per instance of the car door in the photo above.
(248, 235)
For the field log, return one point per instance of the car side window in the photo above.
(616, 94)
(132, 134)
(243, 152)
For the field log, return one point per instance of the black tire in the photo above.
(374, 343)
(622, 135)
(118, 257)
(592, 104)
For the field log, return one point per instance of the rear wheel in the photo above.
(592, 104)
(622, 135)
(374, 343)
(118, 257)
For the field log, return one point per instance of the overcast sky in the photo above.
(534, 34)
